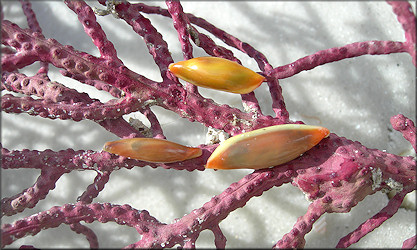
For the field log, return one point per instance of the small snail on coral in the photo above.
(152, 150)
(217, 73)
(266, 147)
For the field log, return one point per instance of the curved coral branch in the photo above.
(304, 224)
(182, 25)
(368, 226)
(35, 27)
(219, 238)
(92, 28)
(89, 234)
(96, 111)
(43, 88)
(157, 47)
(337, 54)
(74, 213)
(410, 243)
(94, 189)
(31, 196)
(407, 19)
(406, 127)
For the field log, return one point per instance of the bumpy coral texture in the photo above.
(335, 175)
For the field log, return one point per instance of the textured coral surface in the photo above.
(60, 129)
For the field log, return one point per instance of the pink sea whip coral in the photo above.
(335, 176)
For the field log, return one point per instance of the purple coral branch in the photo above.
(89, 234)
(121, 128)
(368, 226)
(43, 88)
(31, 196)
(75, 213)
(410, 243)
(96, 111)
(304, 224)
(155, 125)
(94, 189)
(336, 54)
(92, 28)
(219, 238)
(157, 47)
(181, 23)
(407, 19)
(80, 65)
(406, 127)
(34, 26)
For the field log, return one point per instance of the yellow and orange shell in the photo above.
(152, 150)
(217, 73)
(266, 147)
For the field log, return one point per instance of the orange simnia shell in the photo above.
(152, 150)
(217, 73)
(266, 147)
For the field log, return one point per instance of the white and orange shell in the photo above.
(152, 150)
(266, 147)
(217, 73)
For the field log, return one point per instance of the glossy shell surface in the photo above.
(266, 147)
(152, 150)
(217, 73)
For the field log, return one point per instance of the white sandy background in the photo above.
(354, 98)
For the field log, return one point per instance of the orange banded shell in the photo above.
(217, 73)
(152, 150)
(266, 147)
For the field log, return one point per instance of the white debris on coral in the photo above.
(214, 136)
(394, 185)
(111, 8)
(376, 178)
(391, 183)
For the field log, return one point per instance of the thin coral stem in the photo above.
(157, 46)
(407, 19)
(219, 238)
(120, 127)
(96, 110)
(94, 188)
(89, 234)
(278, 104)
(295, 238)
(75, 213)
(410, 243)
(406, 127)
(336, 54)
(181, 22)
(31, 196)
(43, 88)
(155, 125)
(92, 28)
(35, 27)
(368, 226)
(13, 62)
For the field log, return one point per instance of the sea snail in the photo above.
(266, 147)
(152, 150)
(217, 73)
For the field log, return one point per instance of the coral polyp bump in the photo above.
(266, 147)
(217, 73)
(152, 150)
